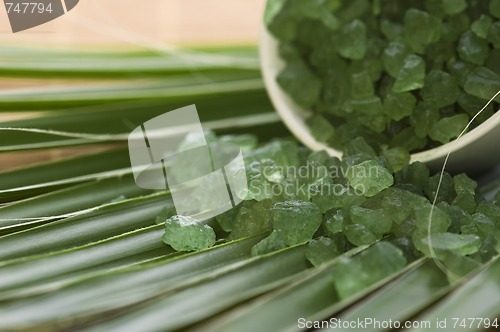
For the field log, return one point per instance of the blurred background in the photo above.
(111, 25)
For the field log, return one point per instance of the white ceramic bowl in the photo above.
(476, 151)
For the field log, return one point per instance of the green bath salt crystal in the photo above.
(321, 128)
(399, 105)
(463, 244)
(296, 221)
(188, 234)
(361, 85)
(440, 90)
(374, 220)
(453, 7)
(495, 8)
(494, 35)
(449, 128)
(423, 119)
(355, 274)
(483, 83)
(464, 184)
(411, 76)
(394, 57)
(421, 29)
(473, 49)
(369, 177)
(273, 242)
(322, 250)
(335, 220)
(298, 80)
(481, 27)
(397, 158)
(352, 43)
(432, 219)
(360, 235)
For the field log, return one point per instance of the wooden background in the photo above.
(108, 23)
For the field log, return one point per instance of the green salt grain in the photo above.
(440, 90)
(319, 157)
(361, 85)
(355, 274)
(411, 76)
(437, 222)
(407, 139)
(375, 122)
(391, 30)
(466, 201)
(494, 34)
(453, 7)
(482, 83)
(359, 146)
(397, 158)
(446, 188)
(472, 105)
(399, 105)
(369, 178)
(335, 220)
(495, 8)
(360, 235)
(396, 206)
(423, 119)
(322, 250)
(416, 175)
(301, 83)
(188, 234)
(492, 62)
(464, 184)
(449, 128)
(488, 248)
(370, 105)
(375, 220)
(491, 210)
(480, 225)
(275, 241)
(321, 128)
(460, 70)
(251, 219)
(352, 42)
(473, 49)
(405, 228)
(435, 8)
(333, 196)
(481, 27)
(394, 57)
(442, 242)
(421, 29)
(272, 172)
(296, 220)
(279, 20)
